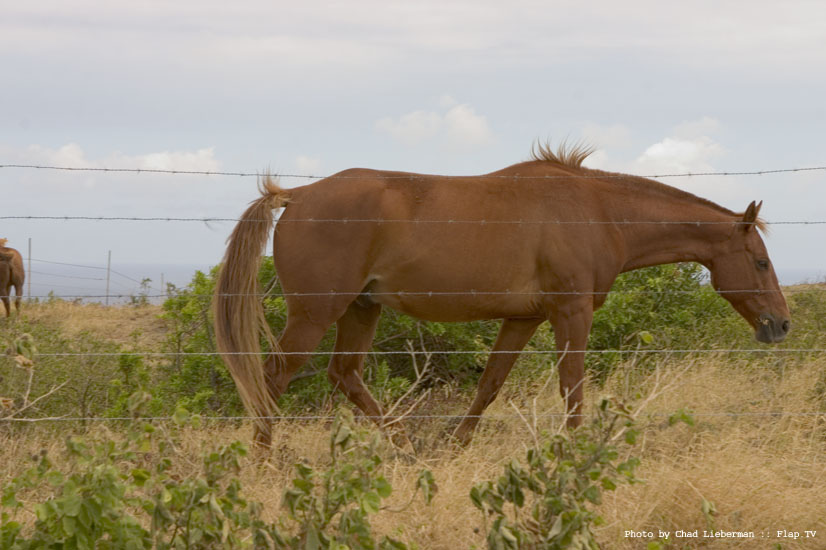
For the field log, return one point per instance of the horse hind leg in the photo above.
(354, 335)
(18, 290)
(5, 297)
(298, 341)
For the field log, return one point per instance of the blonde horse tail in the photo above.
(239, 313)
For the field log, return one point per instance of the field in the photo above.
(752, 459)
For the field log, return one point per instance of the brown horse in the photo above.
(11, 274)
(538, 241)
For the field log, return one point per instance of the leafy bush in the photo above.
(663, 307)
(108, 491)
(546, 503)
(78, 382)
(331, 509)
(127, 494)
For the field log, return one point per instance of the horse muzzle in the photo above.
(771, 330)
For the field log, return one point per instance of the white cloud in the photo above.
(447, 101)
(465, 129)
(83, 189)
(308, 166)
(202, 160)
(676, 155)
(72, 155)
(412, 128)
(691, 150)
(460, 127)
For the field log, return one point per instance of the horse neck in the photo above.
(668, 240)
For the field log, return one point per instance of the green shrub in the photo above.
(331, 509)
(663, 307)
(80, 380)
(111, 493)
(547, 502)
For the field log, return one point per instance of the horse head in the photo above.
(742, 273)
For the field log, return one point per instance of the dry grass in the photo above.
(140, 327)
(762, 473)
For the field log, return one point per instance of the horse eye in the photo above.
(762, 265)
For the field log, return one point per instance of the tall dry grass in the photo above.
(139, 327)
(762, 473)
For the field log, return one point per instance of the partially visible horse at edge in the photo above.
(11, 274)
(541, 240)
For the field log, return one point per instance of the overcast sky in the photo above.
(427, 86)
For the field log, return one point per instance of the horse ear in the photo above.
(750, 217)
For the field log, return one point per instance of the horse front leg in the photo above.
(572, 324)
(513, 336)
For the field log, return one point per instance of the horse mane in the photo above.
(572, 156)
(565, 154)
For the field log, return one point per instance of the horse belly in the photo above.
(454, 293)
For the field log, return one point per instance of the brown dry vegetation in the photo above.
(762, 473)
(133, 326)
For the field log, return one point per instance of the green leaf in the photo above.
(370, 503)
(382, 487)
(477, 495)
(140, 476)
(593, 494)
(181, 416)
(342, 435)
(9, 499)
(313, 541)
(55, 478)
(69, 525)
(71, 505)
(427, 484)
(681, 415)
(556, 530)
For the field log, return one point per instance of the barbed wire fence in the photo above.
(161, 293)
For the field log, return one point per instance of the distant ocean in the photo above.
(88, 282)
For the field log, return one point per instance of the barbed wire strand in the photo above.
(409, 176)
(489, 417)
(818, 287)
(435, 352)
(410, 221)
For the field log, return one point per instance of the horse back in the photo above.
(391, 233)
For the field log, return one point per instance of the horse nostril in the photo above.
(785, 326)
